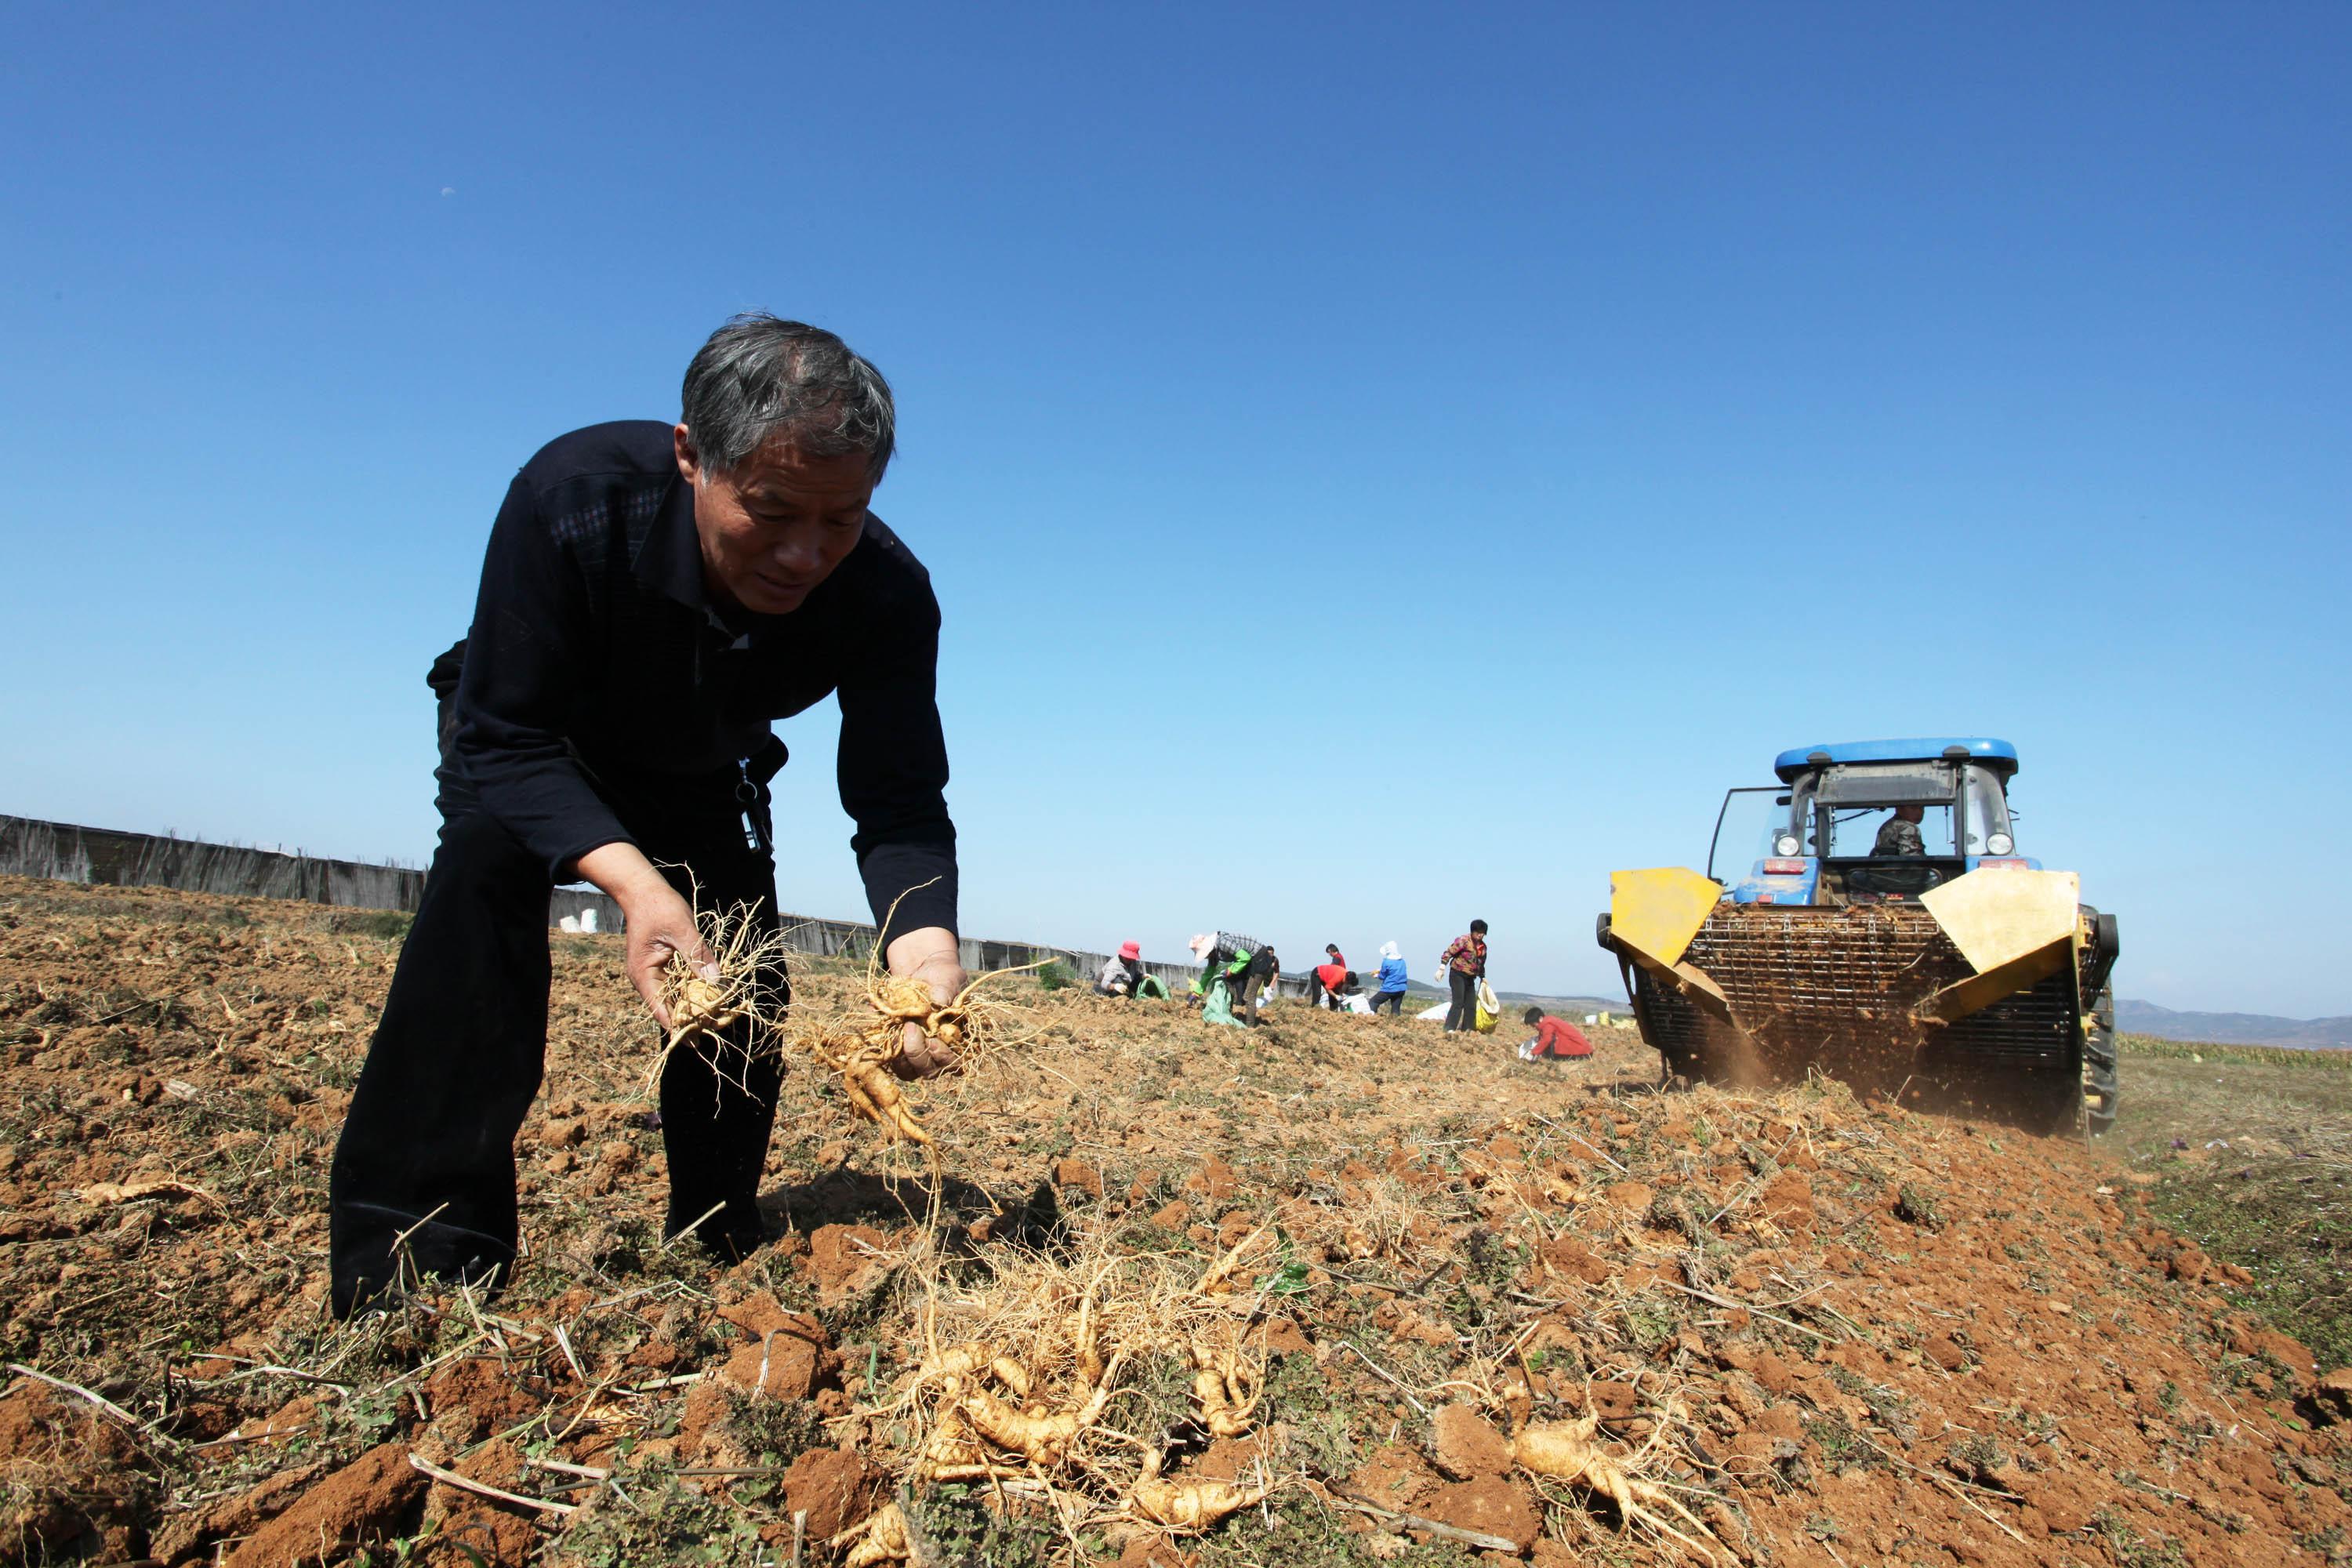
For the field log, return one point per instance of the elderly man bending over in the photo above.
(654, 595)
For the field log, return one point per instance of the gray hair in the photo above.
(760, 379)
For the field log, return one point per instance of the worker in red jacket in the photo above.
(1329, 979)
(1555, 1039)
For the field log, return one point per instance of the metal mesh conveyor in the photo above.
(1794, 973)
(1800, 978)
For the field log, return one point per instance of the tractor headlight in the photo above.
(1998, 844)
(1785, 845)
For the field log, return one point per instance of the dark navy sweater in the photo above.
(598, 657)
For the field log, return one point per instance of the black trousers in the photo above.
(1462, 1008)
(1392, 1000)
(1255, 982)
(427, 1148)
(1246, 991)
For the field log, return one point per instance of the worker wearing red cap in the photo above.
(1123, 975)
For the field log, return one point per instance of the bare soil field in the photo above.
(1335, 1291)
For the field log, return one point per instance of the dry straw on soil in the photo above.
(1384, 1294)
(1033, 1382)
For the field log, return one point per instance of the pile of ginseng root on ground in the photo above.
(1332, 1290)
(1022, 1397)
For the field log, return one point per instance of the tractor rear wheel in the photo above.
(2101, 1089)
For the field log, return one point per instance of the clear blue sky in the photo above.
(1381, 466)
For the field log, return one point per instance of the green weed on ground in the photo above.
(2252, 1149)
(2149, 1048)
(2295, 1241)
(385, 925)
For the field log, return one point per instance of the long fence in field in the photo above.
(64, 852)
(67, 853)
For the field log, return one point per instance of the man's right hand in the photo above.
(659, 923)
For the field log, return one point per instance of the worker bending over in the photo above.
(652, 596)
(1555, 1039)
(1234, 972)
(1124, 975)
(1329, 983)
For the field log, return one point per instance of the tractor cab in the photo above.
(1869, 822)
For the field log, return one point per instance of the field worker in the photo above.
(652, 596)
(1899, 834)
(1235, 971)
(1334, 985)
(1123, 975)
(1555, 1039)
(1463, 964)
(1393, 982)
(1329, 981)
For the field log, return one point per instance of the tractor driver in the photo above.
(1899, 834)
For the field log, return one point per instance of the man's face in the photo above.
(776, 527)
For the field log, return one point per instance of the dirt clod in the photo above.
(1488, 1504)
(836, 1486)
(844, 1260)
(370, 1500)
(1468, 1444)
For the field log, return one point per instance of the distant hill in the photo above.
(2232, 1029)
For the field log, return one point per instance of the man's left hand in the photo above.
(931, 956)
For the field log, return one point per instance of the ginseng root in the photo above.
(1011, 1374)
(875, 1095)
(1565, 1452)
(742, 950)
(861, 1055)
(1187, 1506)
(956, 1360)
(881, 1538)
(1041, 1440)
(1217, 1278)
(903, 1000)
(1084, 1344)
(1221, 1384)
(698, 1008)
(953, 1453)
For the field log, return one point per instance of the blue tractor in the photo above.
(1884, 931)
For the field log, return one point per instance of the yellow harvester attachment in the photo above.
(1973, 990)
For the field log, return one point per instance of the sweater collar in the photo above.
(669, 562)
